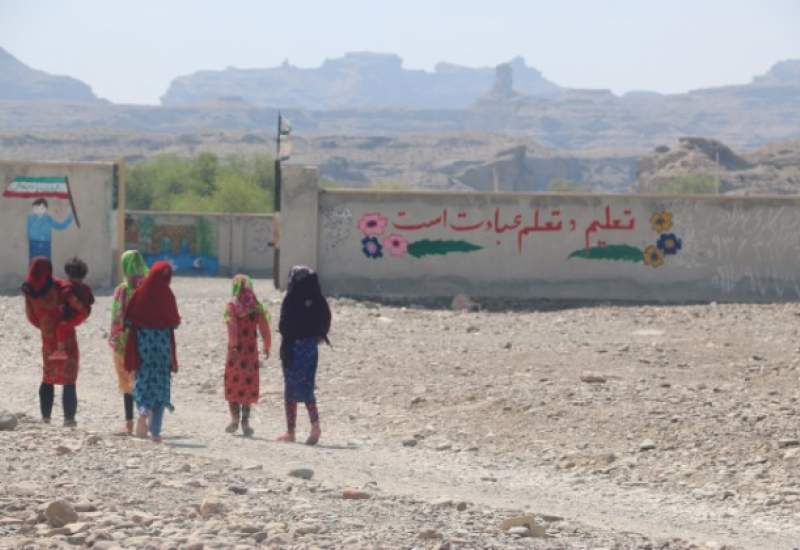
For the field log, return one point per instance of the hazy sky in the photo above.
(130, 51)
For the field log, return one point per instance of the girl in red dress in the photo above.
(246, 317)
(44, 305)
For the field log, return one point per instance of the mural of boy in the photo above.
(40, 227)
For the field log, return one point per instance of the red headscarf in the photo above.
(152, 306)
(39, 279)
(153, 303)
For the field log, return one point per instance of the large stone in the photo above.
(527, 521)
(647, 445)
(59, 513)
(302, 473)
(8, 422)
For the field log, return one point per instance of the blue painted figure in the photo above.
(40, 226)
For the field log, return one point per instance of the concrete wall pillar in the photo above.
(299, 219)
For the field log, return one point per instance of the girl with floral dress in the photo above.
(245, 317)
(134, 269)
(305, 322)
(152, 317)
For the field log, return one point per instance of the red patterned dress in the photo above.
(45, 313)
(242, 365)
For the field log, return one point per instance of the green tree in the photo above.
(204, 183)
(205, 168)
(693, 184)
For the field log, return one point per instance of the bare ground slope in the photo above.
(616, 426)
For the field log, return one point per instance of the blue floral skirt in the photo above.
(300, 371)
(152, 387)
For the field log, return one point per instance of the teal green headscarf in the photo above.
(243, 301)
(133, 266)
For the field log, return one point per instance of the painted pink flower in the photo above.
(396, 245)
(372, 223)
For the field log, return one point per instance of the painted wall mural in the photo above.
(382, 237)
(40, 224)
(190, 248)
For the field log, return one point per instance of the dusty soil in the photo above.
(614, 426)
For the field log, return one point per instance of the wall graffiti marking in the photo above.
(653, 255)
(374, 225)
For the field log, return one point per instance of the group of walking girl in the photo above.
(144, 317)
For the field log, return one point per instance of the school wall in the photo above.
(203, 244)
(619, 247)
(92, 189)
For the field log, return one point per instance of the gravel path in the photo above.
(607, 427)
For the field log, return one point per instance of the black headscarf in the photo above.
(304, 312)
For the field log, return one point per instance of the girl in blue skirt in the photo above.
(305, 322)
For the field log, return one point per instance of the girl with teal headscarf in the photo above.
(134, 270)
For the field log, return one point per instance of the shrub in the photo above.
(693, 184)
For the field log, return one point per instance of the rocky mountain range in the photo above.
(364, 118)
(359, 80)
(370, 94)
(20, 82)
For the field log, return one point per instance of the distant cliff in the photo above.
(356, 81)
(18, 82)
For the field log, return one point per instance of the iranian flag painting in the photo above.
(24, 187)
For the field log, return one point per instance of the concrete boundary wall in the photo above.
(94, 186)
(570, 246)
(203, 243)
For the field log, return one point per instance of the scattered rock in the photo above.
(647, 445)
(355, 494)
(212, 507)
(593, 378)
(8, 422)
(521, 531)
(62, 450)
(410, 442)
(430, 534)
(59, 513)
(238, 489)
(792, 453)
(307, 529)
(141, 518)
(302, 473)
(528, 522)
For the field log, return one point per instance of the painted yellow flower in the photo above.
(661, 221)
(653, 256)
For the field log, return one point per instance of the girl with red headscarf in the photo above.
(44, 306)
(152, 316)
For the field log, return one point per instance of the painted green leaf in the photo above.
(618, 252)
(431, 248)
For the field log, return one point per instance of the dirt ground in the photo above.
(649, 427)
